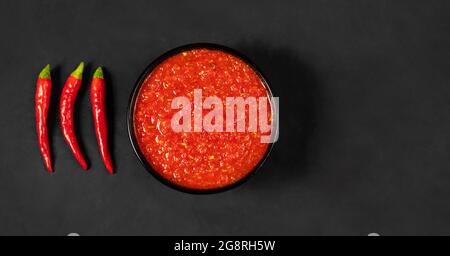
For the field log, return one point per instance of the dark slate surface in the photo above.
(365, 125)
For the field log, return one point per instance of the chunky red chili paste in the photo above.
(198, 160)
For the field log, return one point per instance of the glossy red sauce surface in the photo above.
(197, 160)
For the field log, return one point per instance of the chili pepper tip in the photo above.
(78, 73)
(45, 73)
(99, 73)
(110, 170)
(50, 169)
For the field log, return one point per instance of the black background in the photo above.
(365, 103)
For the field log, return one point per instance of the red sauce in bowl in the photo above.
(197, 160)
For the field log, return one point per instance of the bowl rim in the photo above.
(132, 104)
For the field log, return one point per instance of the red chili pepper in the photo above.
(67, 105)
(98, 101)
(42, 104)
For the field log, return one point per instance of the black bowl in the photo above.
(132, 105)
